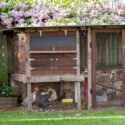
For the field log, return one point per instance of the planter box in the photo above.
(8, 102)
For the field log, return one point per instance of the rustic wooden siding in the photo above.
(53, 62)
(83, 52)
(19, 52)
(3, 60)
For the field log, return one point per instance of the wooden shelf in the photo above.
(47, 78)
(70, 51)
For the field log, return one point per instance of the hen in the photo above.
(43, 100)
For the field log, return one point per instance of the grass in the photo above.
(91, 117)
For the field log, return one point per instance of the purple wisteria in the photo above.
(46, 14)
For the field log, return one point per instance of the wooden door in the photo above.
(64, 64)
(107, 67)
(42, 64)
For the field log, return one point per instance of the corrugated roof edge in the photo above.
(12, 28)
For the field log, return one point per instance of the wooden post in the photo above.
(3, 59)
(13, 83)
(78, 96)
(28, 72)
(29, 108)
(89, 68)
(93, 68)
(78, 71)
(123, 63)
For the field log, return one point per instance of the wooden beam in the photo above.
(89, 68)
(29, 107)
(107, 30)
(78, 70)
(13, 82)
(28, 65)
(78, 95)
(18, 77)
(19, 30)
(28, 72)
(53, 78)
(48, 29)
(69, 29)
(56, 78)
(123, 63)
(70, 51)
(93, 68)
(30, 30)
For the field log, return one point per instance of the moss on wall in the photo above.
(3, 60)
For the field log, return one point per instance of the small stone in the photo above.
(119, 94)
(100, 79)
(109, 91)
(116, 77)
(77, 115)
(118, 85)
(98, 87)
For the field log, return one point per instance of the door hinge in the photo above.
(90, 44)
(31, 68)
(91, 91)
(31, 59)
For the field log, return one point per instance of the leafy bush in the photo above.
(6, 91)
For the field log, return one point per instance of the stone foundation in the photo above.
(109, 82)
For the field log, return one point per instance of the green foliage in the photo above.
(5, 90)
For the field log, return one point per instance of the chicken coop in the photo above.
(58, 57)
(44, 55)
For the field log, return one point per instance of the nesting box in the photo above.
(46, 54)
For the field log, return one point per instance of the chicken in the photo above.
(43, 100)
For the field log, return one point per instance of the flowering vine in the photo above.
(42, 13)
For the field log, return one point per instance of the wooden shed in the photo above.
(61, 54)
(47, 54)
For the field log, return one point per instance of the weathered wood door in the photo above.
(53, 53)
(107, 67)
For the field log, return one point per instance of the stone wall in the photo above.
(109, 82)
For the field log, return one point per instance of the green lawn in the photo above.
(91, 117)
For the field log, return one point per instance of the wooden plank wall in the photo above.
(19, 52)
(123, 61)
(3, 59)
(57, 62)
(45, 64)
(83, 52)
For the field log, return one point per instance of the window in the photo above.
(53, 41)
(108, 50)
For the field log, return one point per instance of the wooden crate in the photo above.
(8, 102)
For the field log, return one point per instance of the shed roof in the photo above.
(72, 26)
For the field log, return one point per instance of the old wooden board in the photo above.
(8, 102)
(89, 68)
(19, 52)
(123, 61)
(3, 59)
(47, 78)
